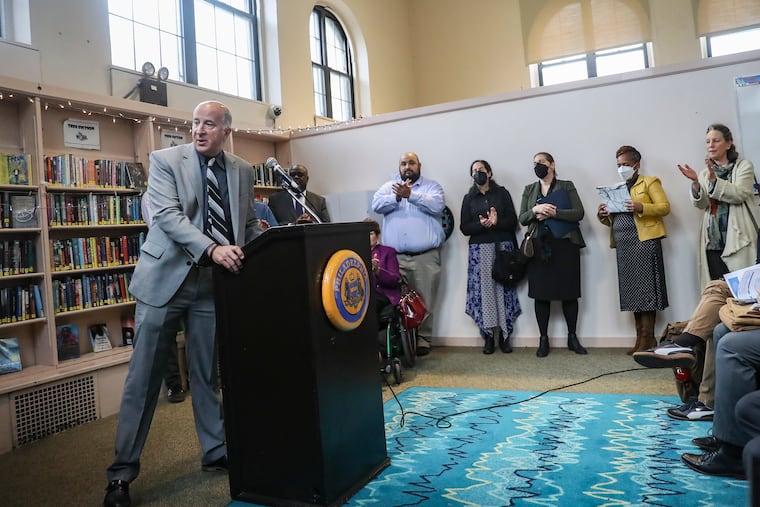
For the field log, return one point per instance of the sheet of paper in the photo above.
(614, 196)
(744, 283)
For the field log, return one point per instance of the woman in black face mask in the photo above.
(488, 217)
(553, 207)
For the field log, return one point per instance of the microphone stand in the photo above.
(303, 202)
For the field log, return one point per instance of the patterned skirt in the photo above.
(489, 303)
(641, 271)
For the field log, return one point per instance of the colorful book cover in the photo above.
(10, 355)
(18, 169)
(24, 211)
(67, 337)
(100, 338)
(4, 179)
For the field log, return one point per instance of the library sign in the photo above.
(81, 134)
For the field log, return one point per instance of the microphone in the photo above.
(272, 164)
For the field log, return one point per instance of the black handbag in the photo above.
(509, 266)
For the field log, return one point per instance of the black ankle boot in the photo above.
(543, 347)
(489, 347)
(574, 345)
(504, 343)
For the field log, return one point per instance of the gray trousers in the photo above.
(192, 307)
(423, 272)
(737, 358)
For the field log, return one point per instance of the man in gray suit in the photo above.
(288, 212)
(172, 284)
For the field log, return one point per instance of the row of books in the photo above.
(17, 257)
(93, 209)
(95, 252)
(88, 291)
(14, 168)
(22, 302)
(18, 210)
(265, 176)
(71, 170)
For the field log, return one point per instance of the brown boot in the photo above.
(648, 339)
(637, 320)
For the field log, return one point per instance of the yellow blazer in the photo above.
(649, 223)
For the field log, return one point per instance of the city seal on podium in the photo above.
(345, 290)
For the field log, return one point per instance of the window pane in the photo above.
(204, 24)
(207, 68)
(336, 46)
(746, 40)
(621, 62)
(564, 72)
(121, 8)
(171, 56)
(225, 35)
(320, 103)
(241, 5)
(227, 72)
(146, 12)
(245, 75)
(147, 46)
(169, 16)
(122, 42)
(316, 53)
(340, 90)
(243, 38)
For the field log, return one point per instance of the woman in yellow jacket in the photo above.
(636, 235)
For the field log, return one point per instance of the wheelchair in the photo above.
(398, 339)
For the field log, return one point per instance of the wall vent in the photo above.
(53, 408)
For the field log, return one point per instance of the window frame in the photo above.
(590, 59)
(706, 40)
(188, 43)
(324, 69)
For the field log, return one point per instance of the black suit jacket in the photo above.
(282, 206)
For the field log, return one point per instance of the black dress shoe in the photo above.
(715, 463)
(219, 465)
(543, 346)
(706, 443)
(117, 494)
(574, 345)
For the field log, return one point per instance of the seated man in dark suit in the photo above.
(286, 211)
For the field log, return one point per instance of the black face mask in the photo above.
(541, 170)
(480, 178)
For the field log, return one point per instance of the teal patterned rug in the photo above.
(568, 449)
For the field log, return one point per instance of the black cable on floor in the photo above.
(443, 421)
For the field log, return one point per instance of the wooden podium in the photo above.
(303, 406)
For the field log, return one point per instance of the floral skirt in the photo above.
(489, 303)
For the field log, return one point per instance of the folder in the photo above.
(561, 199)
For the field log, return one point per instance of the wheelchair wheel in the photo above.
(397, 371)
(408, 339)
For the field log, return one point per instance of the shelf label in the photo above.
(81, 134)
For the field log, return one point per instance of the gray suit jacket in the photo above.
(281, 205)
(175, 241)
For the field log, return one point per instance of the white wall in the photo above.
(662, 112)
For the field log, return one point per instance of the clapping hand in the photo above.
(688, 172)
(490, 220)
(402, 190)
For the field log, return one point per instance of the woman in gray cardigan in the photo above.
(555, 272)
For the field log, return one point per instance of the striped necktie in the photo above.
(216, 227)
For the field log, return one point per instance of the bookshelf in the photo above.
(86, 236)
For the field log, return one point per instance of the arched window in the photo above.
(566, 40)
(331, 67)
